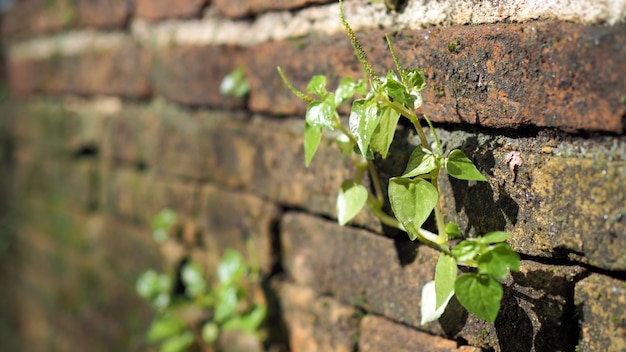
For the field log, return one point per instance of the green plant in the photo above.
(198, 313)
(415, 194)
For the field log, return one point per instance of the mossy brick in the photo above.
(49, 129)
(102, 14)
(138, 196)
(240, 221)
(123, 70)
(130, 137)
(317, 323)
(87, 287)
(33, 17)
(244, 8)
(601, 304)
(380, 334)
(547, 74)
(73, 185)
(164, 9)
(192, 74)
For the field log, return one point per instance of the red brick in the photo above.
(102, 13)
(357, 266)
(545, 74)
(380, 334)
(317, 323)
(192, 74)
(32, 17)
(242, 8)
(123, 71)
(161, 9)
(231, 219)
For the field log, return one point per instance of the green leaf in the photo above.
(192, 276)
(210, 332)
(155, 287)
(351, 199)
(445, 275)
(396, 91)
(161, 223)
(421, 162)
(494, 237)
(466, 250)
(412, 201)
(480, 294)
(317, 85)
(231, 267)
(312, 138)
(461, 167)
(346, 90)
(497, 260)
(415, 79)
(428, 311)
(164, 326)
(249, 322)
(320, 113)
(453, 230)
(235, 83)
(364, 119)
(384, 132)
(178, 343)
(226, 303)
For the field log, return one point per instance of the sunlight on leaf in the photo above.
(412, 201)
(461, 167)
(479, 294)
(428, 310)
(351, 199)
(312, 138)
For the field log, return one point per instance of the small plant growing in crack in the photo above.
(415, 194)
(190, 310)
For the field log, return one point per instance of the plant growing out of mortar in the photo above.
(415, 194)
(196, 314)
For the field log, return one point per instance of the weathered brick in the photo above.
(545, 74)
(601, 302)
(161, 9)
(73, 184)
(102, 13)
(317, 323)
(221, 147)
(242, 8)
(130, 137)
(357, 266)
(192, 74)
(137, 196)
(122, 70)
(31, 17)
(239, 221)
(380, 334)
(386, 277)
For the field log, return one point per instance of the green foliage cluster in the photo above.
(415, 194)
(195, 316)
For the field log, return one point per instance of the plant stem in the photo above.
(441, 226)
(376, 181)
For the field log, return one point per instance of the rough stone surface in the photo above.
(543, 74)
(357, 266)
(239, 221)
(317, 323)
(241, 8)
(162, 9)
(380, 334)
(601, 303)
(31, 17)
(102, 13)
(122, 70)
(192, 74)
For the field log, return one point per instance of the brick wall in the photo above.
(115, 113)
